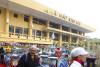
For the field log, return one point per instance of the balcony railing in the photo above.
(17, 35)
(2, 34)
(25, 36)
(65, 32)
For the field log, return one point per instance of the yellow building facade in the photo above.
(26, 21)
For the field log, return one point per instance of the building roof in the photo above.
(30, 7)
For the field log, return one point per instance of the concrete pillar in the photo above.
(48, 23)
(78, 32)
(35, 34)
(70, 30)
(70, 40)
(7, 22)
(41, 35)
(81, 41)
(77, 41)
(60, 36)
(14, 30)
(60, 27)
(48, 32)
(83, 34)
(60, 40)
(77, 38)
(30, 26)
(70, 37)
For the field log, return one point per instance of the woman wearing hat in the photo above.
(78, 56)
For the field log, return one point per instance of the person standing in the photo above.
(78, 56)
(2, 60)
(30, 59)
(63, 62)
(58, 52)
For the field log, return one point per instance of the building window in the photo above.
(25, 30)
(80, 33)
(19, 30)
(65, 28)
(56, 36)
(0, 11)
(44, 33)
(11, 29)
(50, 34)
(38, 33)
(54, 25)
(74, 39)
(26, 18)
(74, 31)
(65, 38)
(33, 32)
(15, 15)
(39, 21)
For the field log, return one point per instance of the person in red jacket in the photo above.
(58, 52)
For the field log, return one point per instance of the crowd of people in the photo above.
(76, 58)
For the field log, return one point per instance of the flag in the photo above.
(53, 36)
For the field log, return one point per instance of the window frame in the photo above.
(25, 31)
(11, 30)
(44, 34)
(15, 15)
(54, 25)
(38, 33)
(0, 11)
(65, 38)
(39, 21)
(33, 32)
(20, 30)
(26, 18)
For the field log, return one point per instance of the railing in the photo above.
(25, 36)
(2, 34)
(66, 32)
(17, 35)
(41, 38)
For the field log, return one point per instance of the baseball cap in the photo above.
(78, 51)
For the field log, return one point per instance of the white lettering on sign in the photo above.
(62, 16)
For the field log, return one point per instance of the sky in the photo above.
(86, 11)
